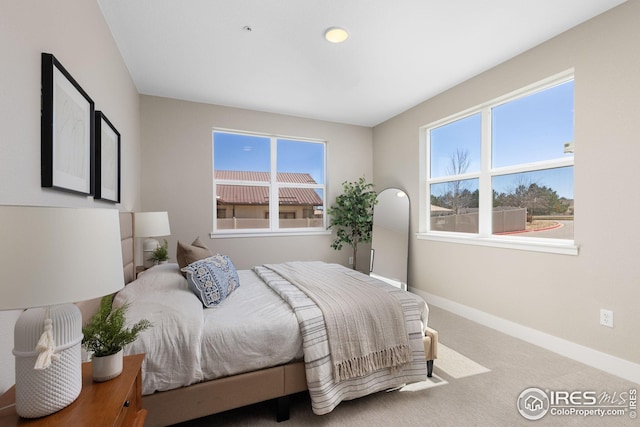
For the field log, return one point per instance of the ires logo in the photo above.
(534, 403)
(574, 398)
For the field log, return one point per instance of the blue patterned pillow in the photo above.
(212, 279)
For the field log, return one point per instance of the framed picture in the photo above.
(107, 160)
(67, 122)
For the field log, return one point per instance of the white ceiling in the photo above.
(400, 53)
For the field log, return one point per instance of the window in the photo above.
(255, 175)
(502, 173)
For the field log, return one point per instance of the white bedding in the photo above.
(252, 329)
(162, 296)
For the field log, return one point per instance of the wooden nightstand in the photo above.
(117, 402)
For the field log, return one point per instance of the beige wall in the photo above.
(556, 294)
(76, 33)
(169, 145)
(177, 174)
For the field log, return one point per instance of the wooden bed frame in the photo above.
(211, 397)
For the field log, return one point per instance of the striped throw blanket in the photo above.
(360, 335)
(365, 327)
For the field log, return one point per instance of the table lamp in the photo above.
(149, 225)
(49, 258)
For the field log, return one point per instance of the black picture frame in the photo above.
(106, 160)
(67, 130)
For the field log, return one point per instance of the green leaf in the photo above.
(352, 214)
(106, 334)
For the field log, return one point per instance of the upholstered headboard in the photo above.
(88, 308)
(126, 239)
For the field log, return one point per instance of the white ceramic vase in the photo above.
(107, 367)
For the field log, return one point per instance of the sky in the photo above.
(530, 129)
(252, 153)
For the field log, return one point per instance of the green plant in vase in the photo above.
(161, 254)
(352, 215)
(105, 333)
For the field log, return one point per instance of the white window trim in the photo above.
(554, 246)
(274, 186)
(484, 237)
(294, 232)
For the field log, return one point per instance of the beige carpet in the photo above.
(477, 399)
(451, 363)
(434, 381)
(456, 365)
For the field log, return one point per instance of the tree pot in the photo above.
(107, 367)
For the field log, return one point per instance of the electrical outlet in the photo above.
(606, 318)
(350, 260)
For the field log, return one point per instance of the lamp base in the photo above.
(150, 245)
(41, 392)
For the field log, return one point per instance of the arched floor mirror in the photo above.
(390, 238)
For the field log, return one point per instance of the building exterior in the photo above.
(247, 206)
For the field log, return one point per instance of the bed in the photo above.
(200, 343)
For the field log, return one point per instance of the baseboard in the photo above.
(597, 359)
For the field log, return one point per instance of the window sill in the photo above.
(236, 234)
(563, 247)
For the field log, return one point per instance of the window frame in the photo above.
(484, 237)
(273, 185)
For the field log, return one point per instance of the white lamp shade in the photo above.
(55, 255)
(151, 224)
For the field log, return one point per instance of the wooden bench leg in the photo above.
(430, 341)
(429, 368)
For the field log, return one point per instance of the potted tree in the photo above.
(352, 215)
(105, 335)
(161, 254)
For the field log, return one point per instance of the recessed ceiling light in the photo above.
(247, 29)
(336, 34)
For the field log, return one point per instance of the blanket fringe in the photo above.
(395, 358)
